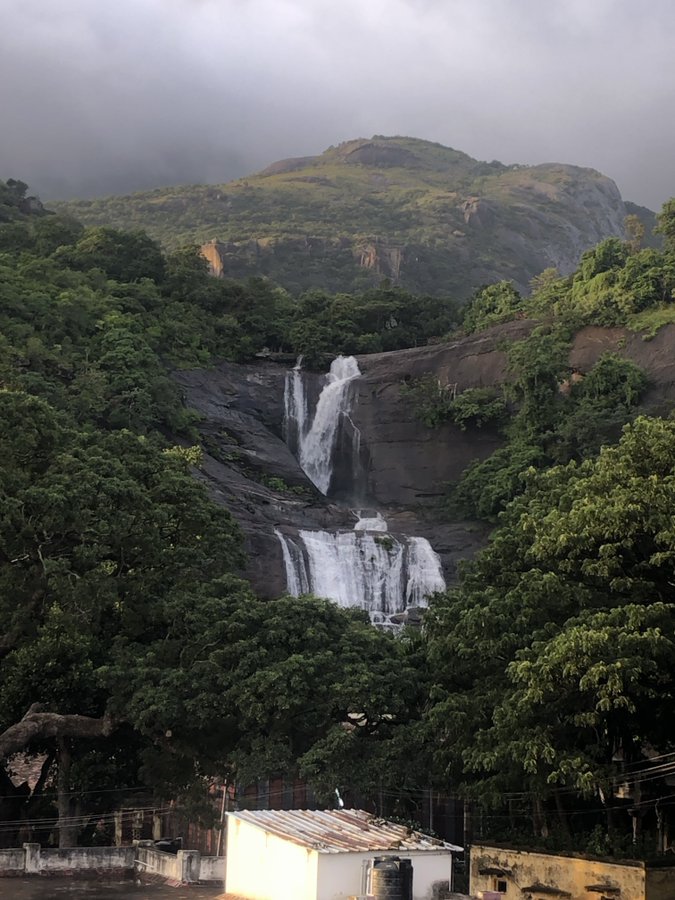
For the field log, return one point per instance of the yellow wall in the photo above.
(570, 874)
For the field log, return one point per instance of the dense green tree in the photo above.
(490, 305)
(557, 650)
(256, 684)
(123, 255)
(666, 223)
(635, 232)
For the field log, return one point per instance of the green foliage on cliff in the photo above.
(615, 284)
(559, 414)
(556, 419)
(491, 305)
(435, 404)
(319, 325)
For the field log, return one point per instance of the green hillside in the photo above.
(423, 215)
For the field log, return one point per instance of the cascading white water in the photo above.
(371, 523)
(424, 572)
(297, 580)
(367, 567)
(356, 569)
(295, 406)
(315, 442)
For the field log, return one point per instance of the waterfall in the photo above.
(295, 407)
(371, 523)
(367, 567)
(371, 569)
(315, 443)
(297, 580)
(424, 572)
(356, 569)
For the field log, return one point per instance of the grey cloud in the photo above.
(112, 97)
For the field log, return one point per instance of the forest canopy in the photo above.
(134, 656)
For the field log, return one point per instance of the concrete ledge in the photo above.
(12, 862)
(85, 858)
(185, 867)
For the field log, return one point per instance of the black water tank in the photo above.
(391, 878)
(169, 845)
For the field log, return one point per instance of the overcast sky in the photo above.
(100, 96)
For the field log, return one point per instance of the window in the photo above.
(500, 885)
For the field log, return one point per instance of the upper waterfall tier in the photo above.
(370, 522)
(316, 440)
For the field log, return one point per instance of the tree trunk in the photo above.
(468, 824)
(562, 814)
(67, 830)
(539, 818)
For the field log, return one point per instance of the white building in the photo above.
(324, 855)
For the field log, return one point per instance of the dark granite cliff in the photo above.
(250, 469)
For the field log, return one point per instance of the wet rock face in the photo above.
(409, 464)
(247, 466)
(403, 466)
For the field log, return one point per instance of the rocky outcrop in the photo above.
(292, 164)
(655, 356)
(380, 154)
(381, 259)
(478, 213)
(249, 469)
(232, 259)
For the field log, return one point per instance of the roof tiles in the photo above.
(340, 830)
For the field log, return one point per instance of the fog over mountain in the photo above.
(100, 98)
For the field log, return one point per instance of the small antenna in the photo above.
(340, 801)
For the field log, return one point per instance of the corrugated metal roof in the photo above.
(340, 830)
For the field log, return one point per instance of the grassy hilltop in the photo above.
(426, 216)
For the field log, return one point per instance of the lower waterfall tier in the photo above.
(378, 572)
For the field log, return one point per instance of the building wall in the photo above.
(261, 866)
(340, 874)
(212, 868)
(566, 873)
(661, 884)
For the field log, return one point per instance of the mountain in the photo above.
(425, 216)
